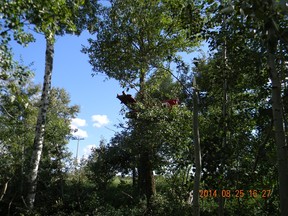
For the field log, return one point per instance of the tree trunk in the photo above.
(149, 177)
(197, 152)
(4, 190)
(141, 183)
(278, 121)
(40, 126)
(146, 178)
(133, 177)
(221, 200)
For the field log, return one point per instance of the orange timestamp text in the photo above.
(235, 193)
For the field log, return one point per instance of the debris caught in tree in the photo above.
(170, 103)
(126, 99)
(129, 101)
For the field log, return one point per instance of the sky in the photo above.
(99, 107)
(96, 96)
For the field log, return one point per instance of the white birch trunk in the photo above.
(40, 126)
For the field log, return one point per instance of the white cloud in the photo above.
(80, 133)
(77, 122)
(100, 120)
(88, 150)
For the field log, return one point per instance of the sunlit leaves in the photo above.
(136, 36)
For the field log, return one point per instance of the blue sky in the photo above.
(99, 107)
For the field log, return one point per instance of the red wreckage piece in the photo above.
(170, 103)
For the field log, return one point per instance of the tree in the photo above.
(17, 117)
(99, 166)
(243, 75)
(130, 33)
(53, 18)
(271, 26)
(197, 150)
(139, 37)
(40, 126)
(12, 27)
(55, 156)
(264, 24)
(61, 21)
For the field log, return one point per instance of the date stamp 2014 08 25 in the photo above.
(266, 193)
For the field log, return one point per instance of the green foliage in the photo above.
(18, 114)
(137, 36)
(49, 18)
(138, 40)
(53, 170)
(16, 117)
(99, 167)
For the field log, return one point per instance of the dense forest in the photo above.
(208, 137)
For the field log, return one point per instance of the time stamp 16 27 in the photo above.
(235, 193)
